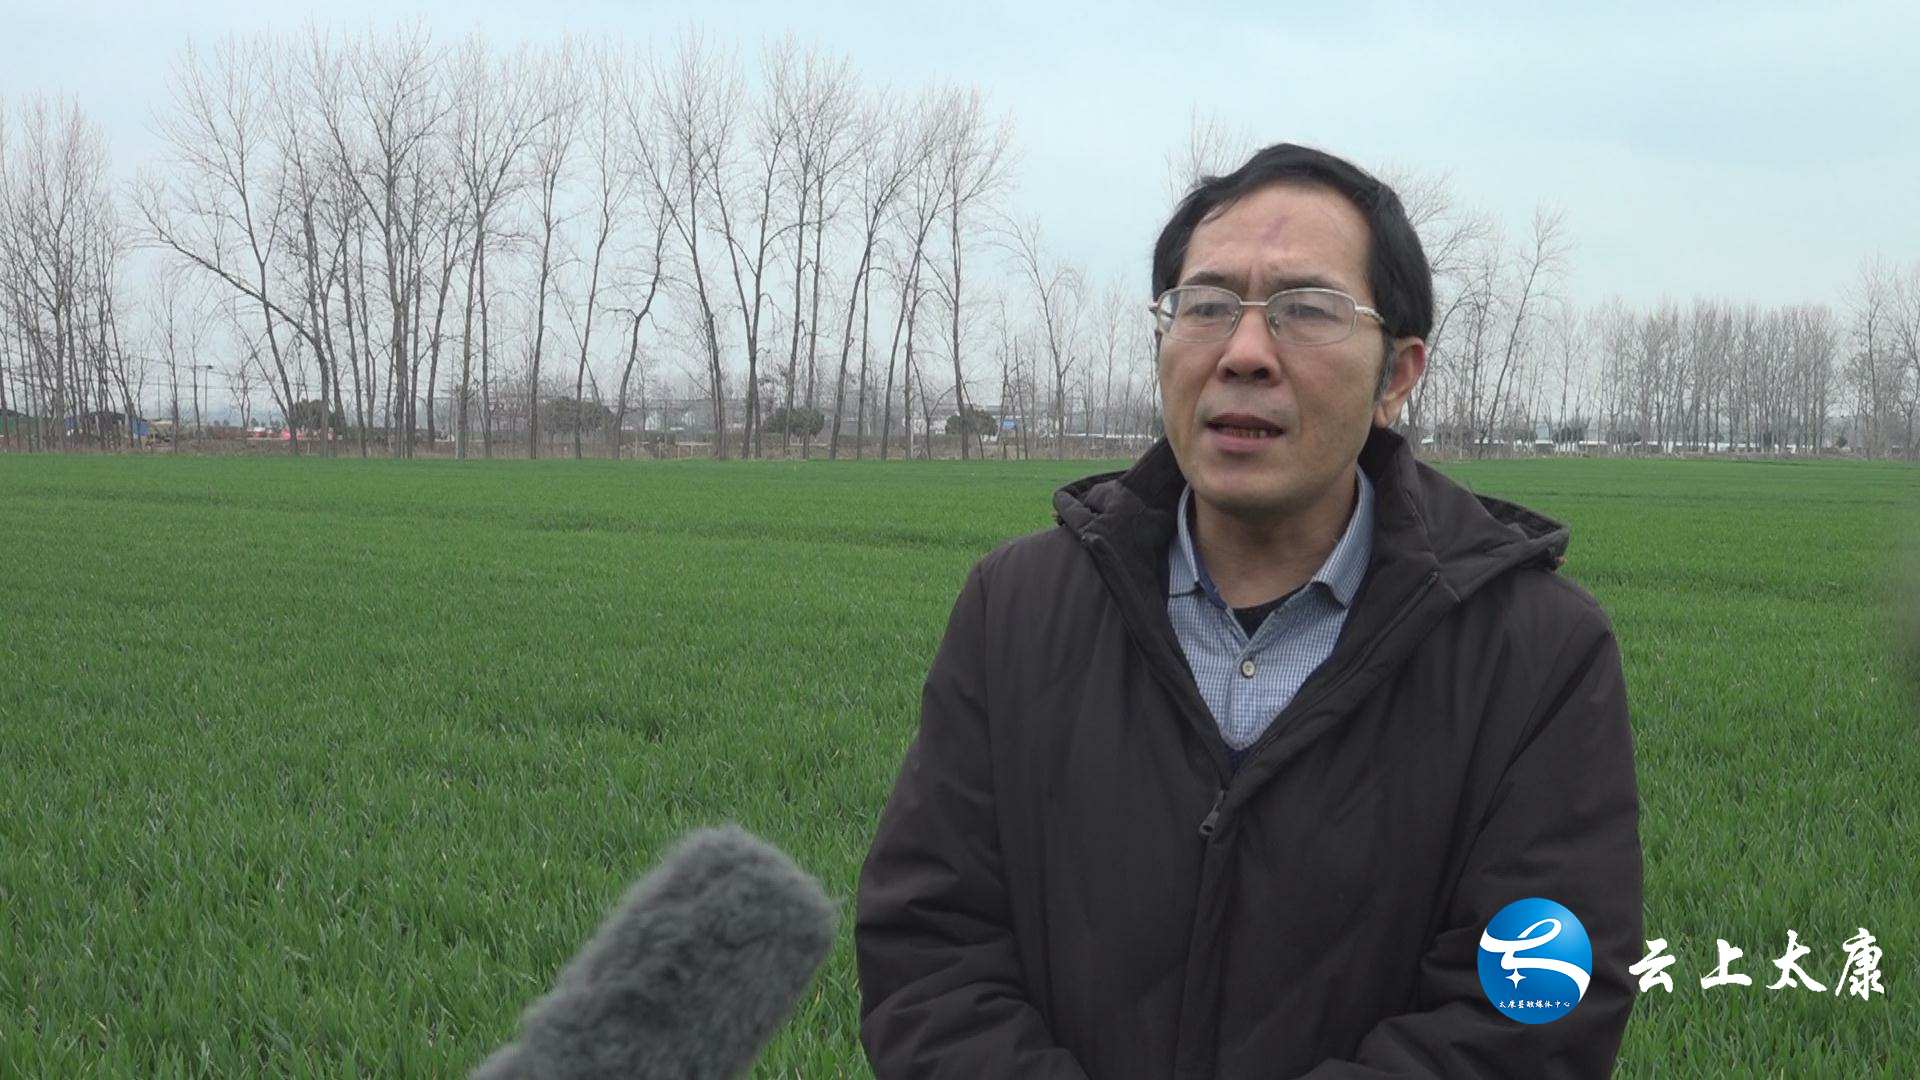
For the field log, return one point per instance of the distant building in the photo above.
(105, 424)
(14, 422)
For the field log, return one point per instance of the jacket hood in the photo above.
(1424, 522)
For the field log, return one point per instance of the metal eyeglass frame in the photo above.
(1164, 319)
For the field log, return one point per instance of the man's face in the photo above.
(1320, 398)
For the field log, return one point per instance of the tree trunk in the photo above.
(539, 344)
(893, 352)
(586, 333)
(486, 357)
(860, 408)
(461, 418)
(813, 319)
(799, 279)
(959, 384)
(846, 350)
(620, 403)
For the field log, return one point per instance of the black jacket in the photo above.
(1069, 880)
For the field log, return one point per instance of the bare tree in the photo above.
(1456, 241)
(794, 94)
(896, 146)
(1659, 335)
(637, 316)
(242, 376)
(1122, 320)
(1058, 295)
(495, 117)
(1903, 334)
(625, 82)
(613, 184)
(695, 98)
(825, 109)
(921, 205)
(1537, 270)
(977, 165)
(1213, 147)
(746, 211)
(1874, 367)
(452, 236)
(1568, 347)
(1814, 341)
(177, 327)
(218, 210)
(549, 155)
(381, 103)
(316, 212)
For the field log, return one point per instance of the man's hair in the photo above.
(1397, 271)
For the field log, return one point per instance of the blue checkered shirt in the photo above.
(1247, 682)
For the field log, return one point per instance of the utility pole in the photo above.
(199, 424)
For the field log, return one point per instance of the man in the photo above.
(1226, 775)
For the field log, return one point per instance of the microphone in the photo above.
(688, 978)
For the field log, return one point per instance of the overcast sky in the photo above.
(1752, 151)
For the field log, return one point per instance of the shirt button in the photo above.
(1246, 668)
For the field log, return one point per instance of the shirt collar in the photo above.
(1341, 573)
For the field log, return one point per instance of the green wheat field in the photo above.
(324, 768)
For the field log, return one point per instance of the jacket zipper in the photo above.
(1346, 673)
(1203, 721)
(1213, 816)
(1212, 823)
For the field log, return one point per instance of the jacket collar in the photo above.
(1435, 543)
(1423, 521)
(1340, 574)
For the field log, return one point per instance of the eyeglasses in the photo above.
(1296, 316)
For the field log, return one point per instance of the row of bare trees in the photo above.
(390, 223)
(1514, 366)
(1881, 367)
(404, 243)
(62, 365)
